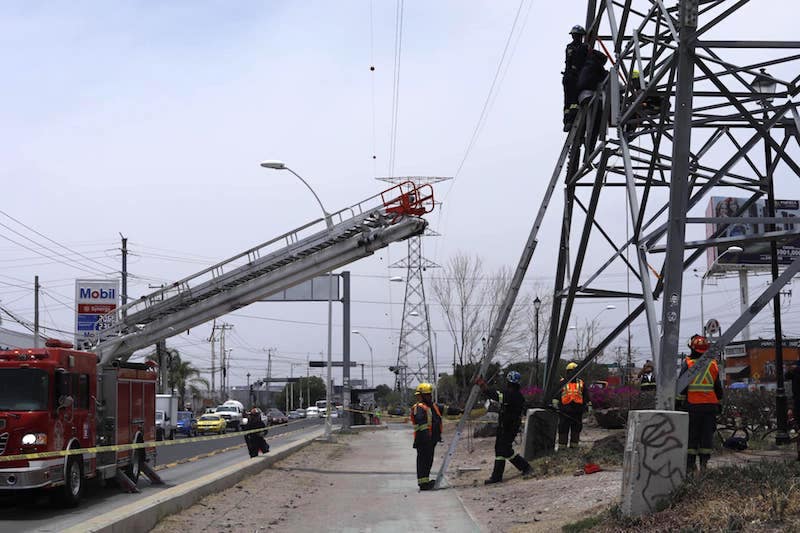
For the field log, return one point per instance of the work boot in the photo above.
(522, 465)
(428, 485)
(691, 464)
(704, 462)
(497, 473)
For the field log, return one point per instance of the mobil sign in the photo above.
(93, 299)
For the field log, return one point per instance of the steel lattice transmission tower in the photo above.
(687, 112)
(415, 346)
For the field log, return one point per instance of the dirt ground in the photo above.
(268, 501)
(533, 505)
(278, 498)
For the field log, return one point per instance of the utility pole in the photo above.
(223, 358)
(161, 350)
(124, 294)
(213, 340)
(36, 311)
(269, 375)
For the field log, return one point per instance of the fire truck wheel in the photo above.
(135, 467)
(72, 490)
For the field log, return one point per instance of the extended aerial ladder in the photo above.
(287, 260)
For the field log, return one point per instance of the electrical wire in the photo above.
(104, 266)
(398, 54)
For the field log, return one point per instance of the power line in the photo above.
(47, 239)
(398, 53)
(484, 110)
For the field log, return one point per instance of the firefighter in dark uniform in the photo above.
(702, 400)
(572, 404)
(512, 406)
(427, 421)
(575, 53)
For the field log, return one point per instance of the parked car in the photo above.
(297, 414)
(276, 416)
(212, 423)
(312, 412)
(187, 424)
(397, 411)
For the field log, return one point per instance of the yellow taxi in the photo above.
(211, 423)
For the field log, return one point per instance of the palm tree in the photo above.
(182, 376)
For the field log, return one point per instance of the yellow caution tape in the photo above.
(381, 415)
(134, 446)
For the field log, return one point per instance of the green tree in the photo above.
(182, 376)
(382, 392)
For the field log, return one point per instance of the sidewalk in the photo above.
(364, 482)
(372, 488)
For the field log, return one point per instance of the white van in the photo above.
(312, 412)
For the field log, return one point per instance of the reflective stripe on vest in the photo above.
(428, 426)
(572, 392)
(701, 389)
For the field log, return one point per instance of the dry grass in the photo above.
(756, 497)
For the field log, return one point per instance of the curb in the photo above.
(144, 514)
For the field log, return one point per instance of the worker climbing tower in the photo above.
(690, 110)
(415, 347)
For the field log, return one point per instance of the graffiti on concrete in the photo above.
(660, 467)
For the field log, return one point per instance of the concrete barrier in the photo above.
(540, 433)
(655, 459)
(145, 513)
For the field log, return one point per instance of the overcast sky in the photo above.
(150, 119)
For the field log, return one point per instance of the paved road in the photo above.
(40, 516)
(170, 454)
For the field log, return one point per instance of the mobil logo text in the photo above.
(92, 293)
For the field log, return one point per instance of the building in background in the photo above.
(753, 361)
(11, 340)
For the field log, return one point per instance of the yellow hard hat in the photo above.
(424, 388)
(572, 366)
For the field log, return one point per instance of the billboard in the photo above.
(755, 252)
(93, 299)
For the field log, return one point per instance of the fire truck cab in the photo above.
(56, 398)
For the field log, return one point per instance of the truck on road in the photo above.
(233, 413)
(166, 416)
(54, 399)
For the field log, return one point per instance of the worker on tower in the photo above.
(512, 406)
(573, 402)
(647, 378)
(575, 57)
(426, 417)
(703, 395)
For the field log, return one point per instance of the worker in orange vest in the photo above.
(426, 417)
(702, 399)
(572, 404)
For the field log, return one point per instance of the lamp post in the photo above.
(537, 305)
(371, 361)
(731, 250)
(280, 165)
(766, 86)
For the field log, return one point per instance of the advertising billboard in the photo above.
(93, 299)
(755, 252)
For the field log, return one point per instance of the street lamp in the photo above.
(537, 305)
(279, 165)
(765, 85)
(731, 250)
(371, 361)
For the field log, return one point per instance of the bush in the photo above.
(754, 410)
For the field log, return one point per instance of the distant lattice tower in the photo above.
(415, 329)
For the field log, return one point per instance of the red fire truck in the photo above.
(56, 398)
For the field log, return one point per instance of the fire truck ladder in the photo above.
(299, 255)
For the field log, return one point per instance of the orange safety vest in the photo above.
(701, 389)
(429, 417)
(572, 392)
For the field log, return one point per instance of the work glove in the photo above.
(554, 402)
